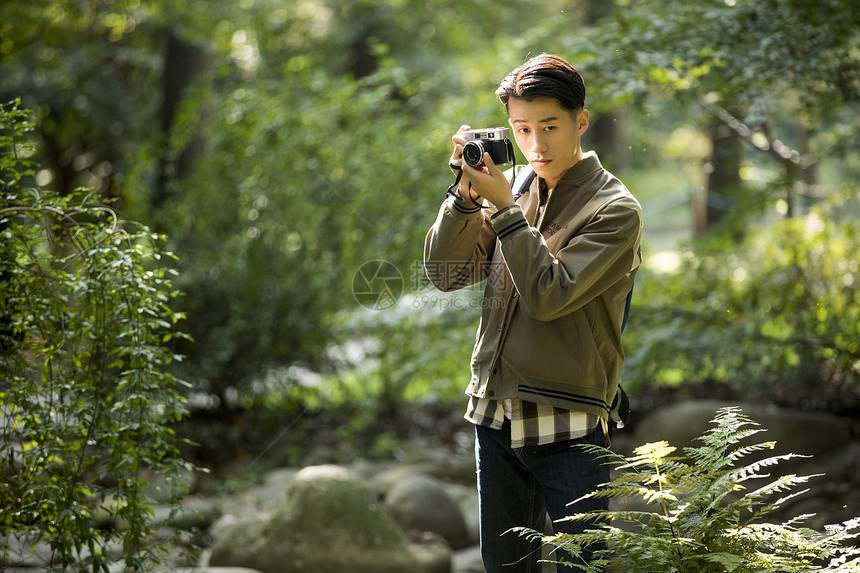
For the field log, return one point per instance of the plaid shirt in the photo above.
(532, 424)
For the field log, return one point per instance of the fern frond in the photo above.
(728, 561)
(718, 439)
(788, 497)
(770, 547)
(727, 426)
(651, 454)
(602, 454)
(842, 533)
(840, 542)
(595, 565)
(798, 519)
(781, 484)
(572, 544)
(621, 487)
(709, 484)
(632, 485)
(627, 550)
(677, 466)
(743, 452)
(844, 563)
(755, 469)
(633, 517)
(723, 436)
(526, 532)
(844, 528)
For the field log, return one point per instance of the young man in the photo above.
(559, 264)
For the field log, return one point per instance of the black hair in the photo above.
(546, 75)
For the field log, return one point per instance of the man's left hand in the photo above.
(489, 182)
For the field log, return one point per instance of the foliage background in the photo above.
(87, 400)
(281, 145)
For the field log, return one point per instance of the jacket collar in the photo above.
(581, 170)
(576, 187)
(569, 191)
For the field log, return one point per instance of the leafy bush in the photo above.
(417, 351)
(777, 313)
(710, 512)
(85, 399)
(310, 185)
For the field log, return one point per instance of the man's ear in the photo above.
(582, 121)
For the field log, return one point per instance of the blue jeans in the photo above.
(519, 487)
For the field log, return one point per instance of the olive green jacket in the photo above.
(556, 287)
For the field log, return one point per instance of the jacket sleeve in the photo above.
(459, 245)
(595, 258)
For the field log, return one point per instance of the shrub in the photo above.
(710, 512)
(85, 398)
(774, 315)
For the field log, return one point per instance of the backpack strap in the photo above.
(627, 304)
(620, 407)
(523, 181)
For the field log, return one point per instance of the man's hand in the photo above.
(459, 143)
(479, 183)
(456, 162)
(488, 182)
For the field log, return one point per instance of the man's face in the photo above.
(548, 135)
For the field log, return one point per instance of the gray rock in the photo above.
(466, 497)
(194, 513)
(208, 570)
(27, 552)
(468, 560)
(329, 522)
(421, 503)
(276, 484)
(795, 431)
(240, 541)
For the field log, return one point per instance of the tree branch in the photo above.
(772, 146)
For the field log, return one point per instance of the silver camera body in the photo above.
(495, 141)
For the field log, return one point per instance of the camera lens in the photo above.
(473, 153)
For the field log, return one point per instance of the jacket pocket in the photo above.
(554, 351)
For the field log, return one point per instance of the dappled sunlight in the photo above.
(664, 262)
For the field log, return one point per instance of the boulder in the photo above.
(329, 522)
(421, 503)
(208, 570)
(468, 560)
(466, 497)
(196, 512)
(795, 431)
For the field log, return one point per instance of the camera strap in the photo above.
(522, 181)
(452, 190)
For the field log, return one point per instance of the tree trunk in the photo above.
(606, 132)
(724, 179)
(184, 63)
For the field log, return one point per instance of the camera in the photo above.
(495, 141)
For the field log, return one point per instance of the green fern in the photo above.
(710, 512)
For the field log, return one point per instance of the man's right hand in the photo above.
(456, 163)
(459, 141)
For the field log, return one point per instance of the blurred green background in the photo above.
(282, 145)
